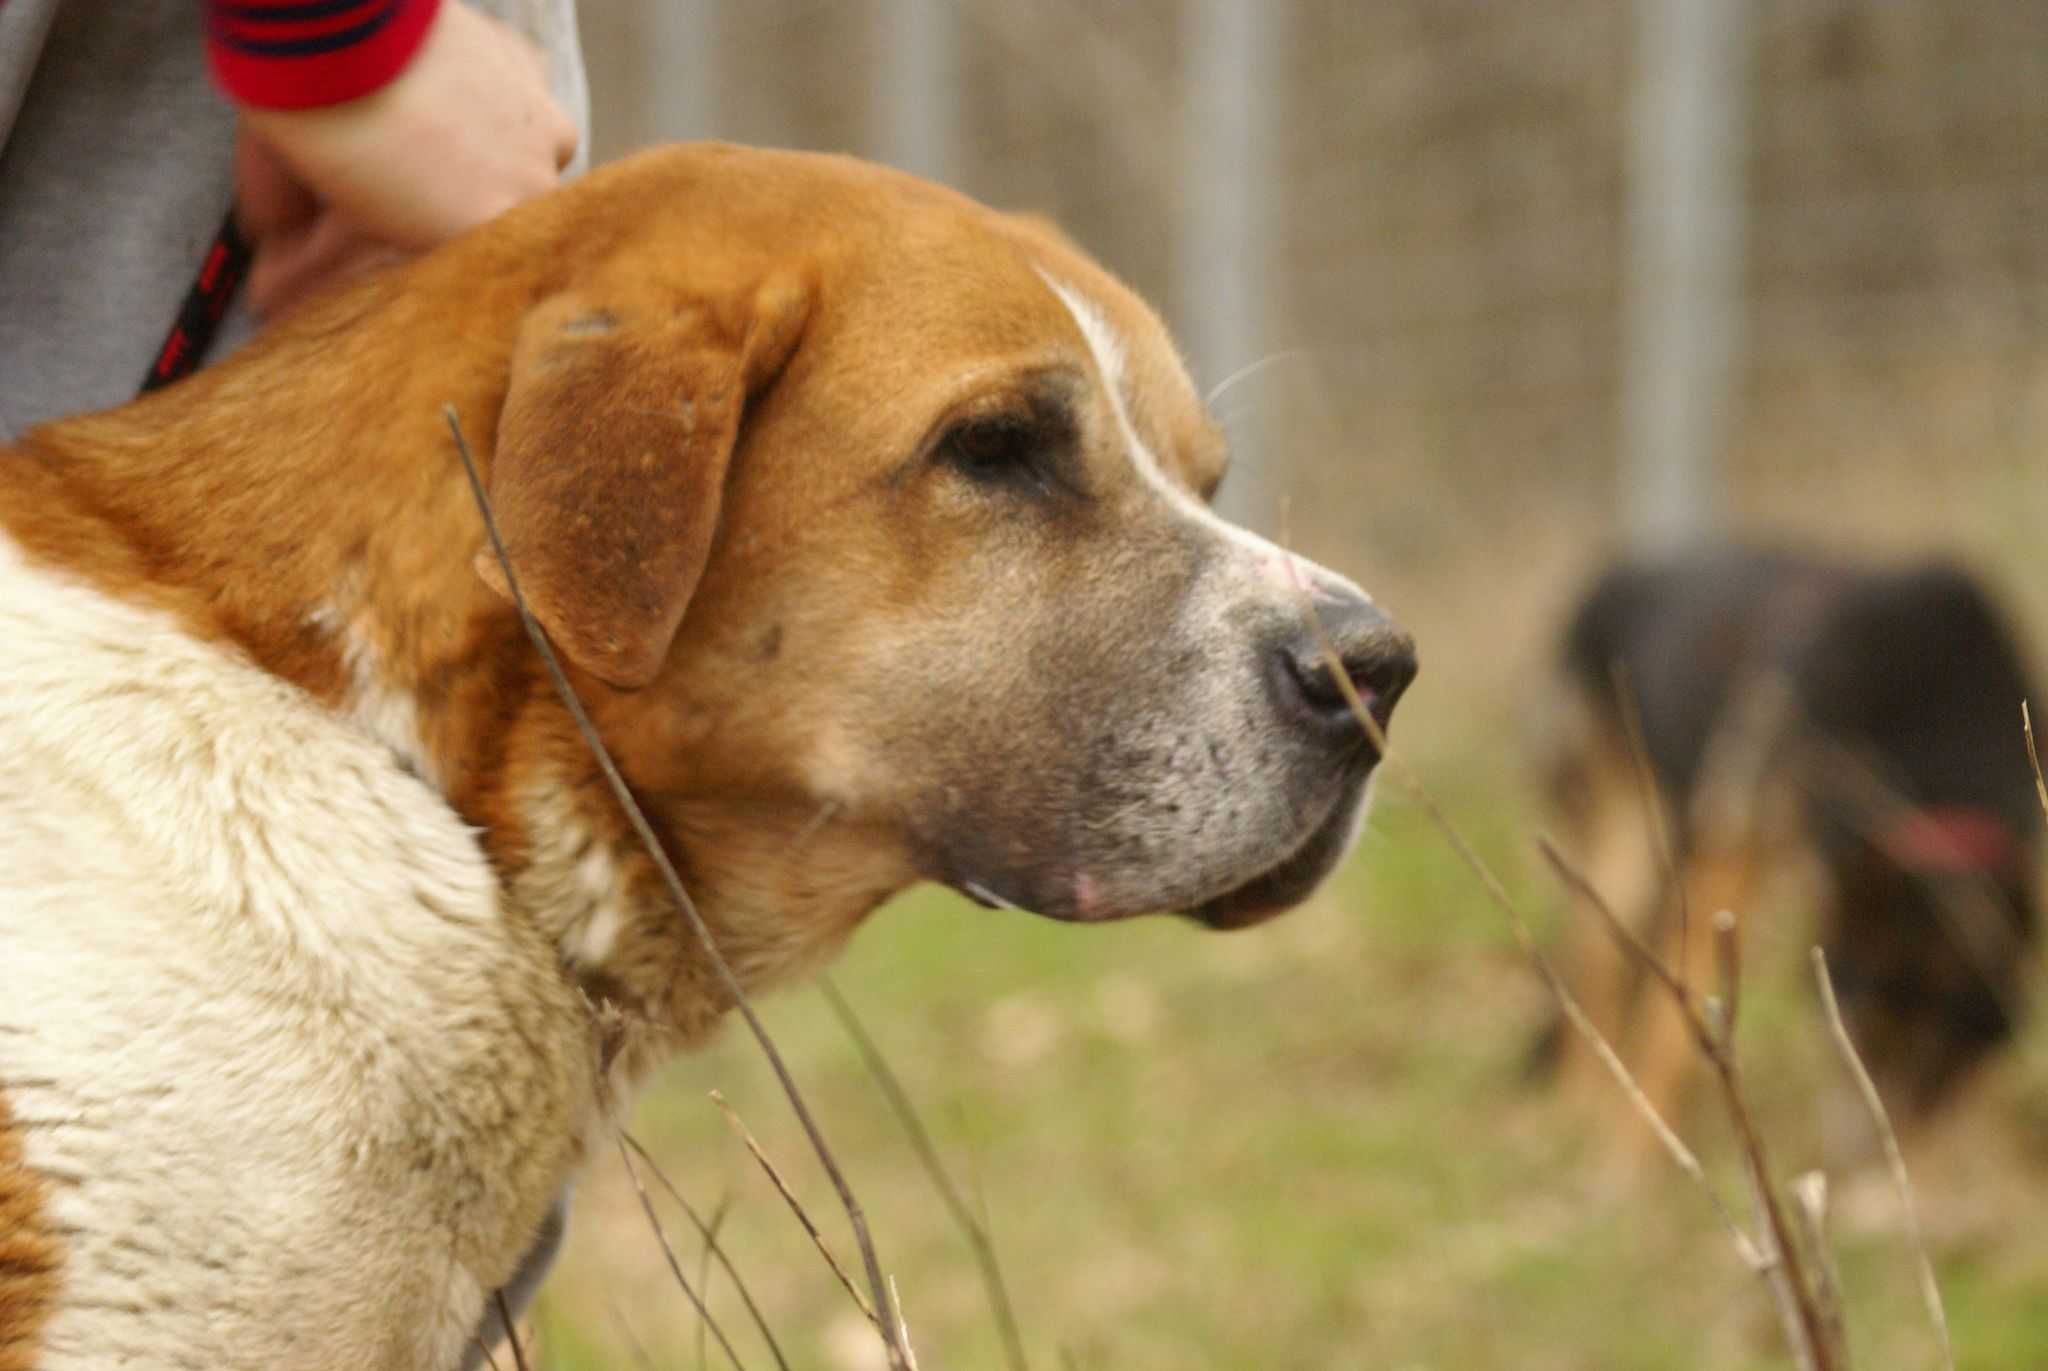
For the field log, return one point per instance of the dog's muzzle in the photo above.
(1378, 660)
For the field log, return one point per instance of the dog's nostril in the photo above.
(1382, 674)
(1380, 668)
(1318, 684)
(1378, 677)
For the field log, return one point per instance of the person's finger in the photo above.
(269, 199)
(566, 137)
(290, 268)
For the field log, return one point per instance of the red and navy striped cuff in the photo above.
(301, 54)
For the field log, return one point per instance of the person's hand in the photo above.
(467, 130)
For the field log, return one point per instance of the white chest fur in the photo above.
(301, 1088)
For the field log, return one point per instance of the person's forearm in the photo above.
(462, 126)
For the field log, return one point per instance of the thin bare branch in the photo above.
(1577, 883)
(511, 1330)
(1728, 966)
(1631, 715)
(1712, 1028)
(717, 1221)
(675, 1267)
(1674, 1146)
(708, 1232)
(899, 1357)
(641, 1359)
(796, 1206)
(902, 1324)
(1786, 1297)
(1895, 1159)
(1783, 1268)
(928, 1156)
(1788, 1273)
(1809, 1192)
(2034, 756)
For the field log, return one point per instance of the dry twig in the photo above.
(1630, 711)
(1782, 1265)
(708, 1232)
(1728, 963)
(711, 1228)
(1737, 758)
(902, 1324)
(899, 1355)
(1810, 1210)
(1895, 1160)
(641, 1361)
(928, 1155)
(796, 1206)
(511, 1330)
(2034, 756)
(1574, 880)
(675, 1267)
(1680, 1154)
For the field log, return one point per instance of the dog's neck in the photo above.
(335, 548)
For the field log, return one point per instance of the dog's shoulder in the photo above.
(236, 927)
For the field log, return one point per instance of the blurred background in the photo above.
(1487, 293)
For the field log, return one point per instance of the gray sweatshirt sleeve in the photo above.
(116, 160)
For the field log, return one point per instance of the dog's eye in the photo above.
(994, 448)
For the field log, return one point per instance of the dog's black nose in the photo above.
(1377, 655)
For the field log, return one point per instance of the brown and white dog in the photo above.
(872, 526)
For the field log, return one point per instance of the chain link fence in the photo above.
(1444, 245)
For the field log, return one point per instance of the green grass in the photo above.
(1302, 1146)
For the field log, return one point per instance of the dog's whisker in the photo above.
(825, 814)
(1251, 369)
(989, 897)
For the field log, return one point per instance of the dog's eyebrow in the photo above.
(1108, 351)
(1107, 348)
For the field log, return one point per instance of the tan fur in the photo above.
(1598, 791)
(29, 1252)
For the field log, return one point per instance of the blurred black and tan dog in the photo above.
(1794, 707)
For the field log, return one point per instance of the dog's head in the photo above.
(866, 511)
(1929, 951)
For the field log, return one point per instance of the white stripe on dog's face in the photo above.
(1283, 569)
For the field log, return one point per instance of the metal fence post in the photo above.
(1681, 329)
(917, 91)
(1224, 264)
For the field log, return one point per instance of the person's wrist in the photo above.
(276, 56)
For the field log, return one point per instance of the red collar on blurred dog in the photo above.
(1949, 839)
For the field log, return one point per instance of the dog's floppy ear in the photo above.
(611, 456)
